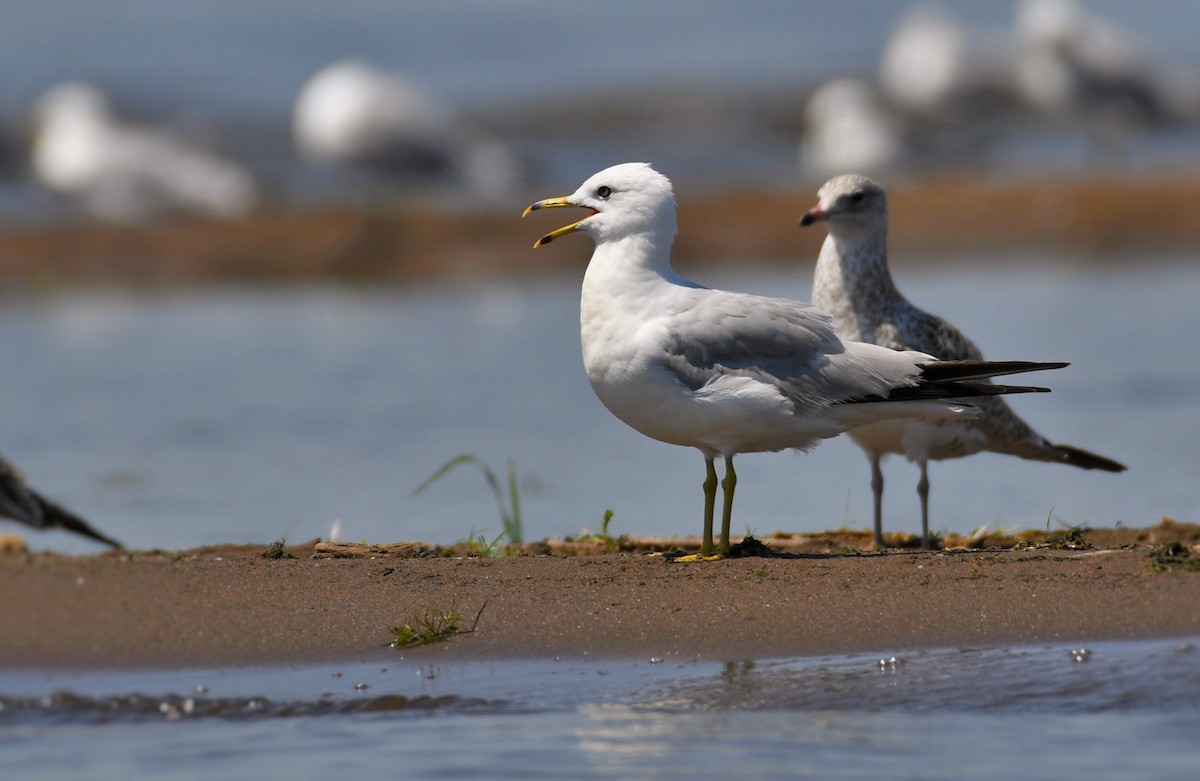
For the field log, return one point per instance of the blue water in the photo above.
(238, 415)
(1101, 711)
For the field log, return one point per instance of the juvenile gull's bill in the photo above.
(853, 283)
(726, 372)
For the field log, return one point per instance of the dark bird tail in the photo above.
(943, 371)
(965, 379)
(950, 373)
(1073, 456)
(57, 516)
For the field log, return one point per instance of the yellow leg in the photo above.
(729, 484)
(710, 500)
(708, 551)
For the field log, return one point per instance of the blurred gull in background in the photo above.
(848, 126)
(355, 115)
(1079, 68)
(936, 68)
(124, 173)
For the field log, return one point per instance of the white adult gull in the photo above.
(354, 114)
(853, 283)
(21, 503)
(725, 372)
(127, 173)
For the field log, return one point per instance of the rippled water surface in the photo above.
(1105, 711)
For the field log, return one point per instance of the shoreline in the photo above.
(229, 606)
(1090, 220)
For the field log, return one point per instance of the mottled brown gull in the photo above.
(21, 503)
(725, 372)
(853, 283)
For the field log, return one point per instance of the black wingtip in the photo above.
(943, 371)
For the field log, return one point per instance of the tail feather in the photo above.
(964, 379)
(957, 389)
(1085, 460)
(21, 503)
(57, 516)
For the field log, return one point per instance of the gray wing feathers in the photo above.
(789, 345)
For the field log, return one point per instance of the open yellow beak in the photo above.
(555, 203)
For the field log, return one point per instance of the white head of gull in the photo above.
(852, 282)
(725, 372)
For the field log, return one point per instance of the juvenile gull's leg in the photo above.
(923, 492)
(877, 492)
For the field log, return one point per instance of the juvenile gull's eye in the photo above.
(857, 196)
(603, 191)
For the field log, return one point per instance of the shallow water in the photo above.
(1104, 711)
(213, 416)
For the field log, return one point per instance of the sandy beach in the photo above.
(230, 605)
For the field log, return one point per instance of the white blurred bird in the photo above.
(936, 68)
(725, 372)
(351, 113)
(125, 173)
(848, 125)
(1079, 67)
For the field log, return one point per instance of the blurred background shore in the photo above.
(130, 113)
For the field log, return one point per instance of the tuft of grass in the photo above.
(610, 543)
(479, 545)
(509, 507)
(1172, 556)
(433, 626)
(1070, 538)
(277, 550)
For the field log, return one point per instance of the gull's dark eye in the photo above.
(603, 191)
(857, 196)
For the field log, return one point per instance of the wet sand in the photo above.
(229, 605)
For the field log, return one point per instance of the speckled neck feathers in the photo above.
(852, 281)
